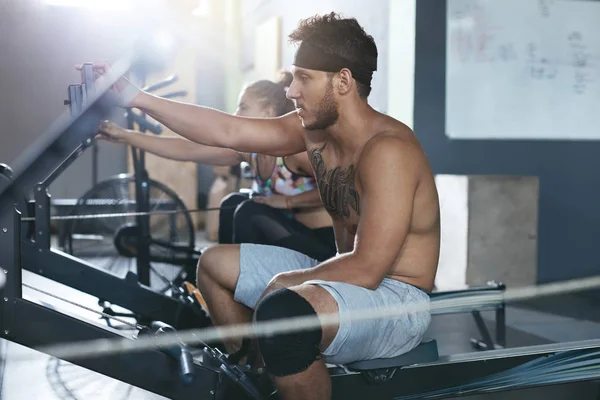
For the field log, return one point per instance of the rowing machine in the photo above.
(37, 170)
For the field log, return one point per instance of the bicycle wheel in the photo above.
(71, 382)
(111, 242)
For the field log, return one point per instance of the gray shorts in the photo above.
(355, 340)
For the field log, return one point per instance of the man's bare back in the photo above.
(338, 178)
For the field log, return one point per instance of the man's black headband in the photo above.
(310, 56)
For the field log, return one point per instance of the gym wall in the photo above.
(39, 47)
(373, 16)
(569, 182)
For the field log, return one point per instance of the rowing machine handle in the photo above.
(180, 352)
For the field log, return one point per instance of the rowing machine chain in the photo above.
(131, 214)
(103, 314)
(109, 215)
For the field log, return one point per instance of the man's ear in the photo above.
(345, 81)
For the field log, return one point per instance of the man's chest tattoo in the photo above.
(336, 186)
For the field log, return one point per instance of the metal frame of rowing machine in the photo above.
(154, 371)
(452, 372)
(498, 306)
(40, 258)
(36, 326)
(46, 160)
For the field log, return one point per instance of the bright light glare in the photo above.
(163, 41)
(95, 4)
(203, 9)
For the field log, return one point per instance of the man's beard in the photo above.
(326, 113)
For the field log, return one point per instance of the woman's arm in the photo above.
(308, 199)
(173, 148)
(300, 164)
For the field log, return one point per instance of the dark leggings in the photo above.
(242, 220)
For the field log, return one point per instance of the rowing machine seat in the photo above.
(426, 351)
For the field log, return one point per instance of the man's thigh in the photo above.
(259, 264)
(377, 338)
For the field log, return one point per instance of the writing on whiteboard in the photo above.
(476, 39)
(581, 62)
(476, 42)
(545, 6)
(526, 69)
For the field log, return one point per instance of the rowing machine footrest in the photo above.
(213, 358)
(426, 351)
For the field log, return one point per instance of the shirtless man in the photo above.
(376, 184)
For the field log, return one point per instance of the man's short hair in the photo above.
(342, 37)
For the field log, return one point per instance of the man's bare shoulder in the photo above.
(394, 147)
(387, 124)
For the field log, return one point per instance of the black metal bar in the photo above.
(501, 326)
(179, 93)
(162, 84)
(49, 154)
(10, 231)
(94, 164)
(143, 222)
(140, 300)
(67, 162)
(145, 125)
(142, 192)
(483, 330)
(151, 370)
(42, 216)
(490, 287)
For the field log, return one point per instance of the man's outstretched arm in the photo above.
(274, 136)
(388, 173)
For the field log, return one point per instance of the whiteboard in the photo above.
(523, 69)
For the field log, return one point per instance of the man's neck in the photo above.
(353, 127)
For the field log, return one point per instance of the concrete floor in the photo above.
(43, 377)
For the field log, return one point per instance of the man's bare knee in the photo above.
(204, 264)
(220, 264)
